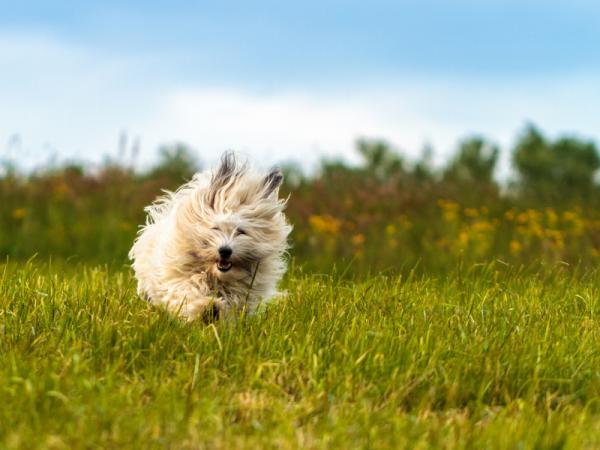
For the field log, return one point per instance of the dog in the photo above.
(216, 246)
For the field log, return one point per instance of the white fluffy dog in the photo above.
(216, 246)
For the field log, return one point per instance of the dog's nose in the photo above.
(225, 251)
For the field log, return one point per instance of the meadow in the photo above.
(487, 357)
(426, 308)
(345, 219)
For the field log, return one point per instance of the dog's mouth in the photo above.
(224, 265)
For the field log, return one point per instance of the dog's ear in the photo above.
(222, 175)
(272, 181)
(225, 170)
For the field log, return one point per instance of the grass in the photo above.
(488, 357)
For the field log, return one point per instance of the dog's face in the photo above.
(234, 242)
(238, 222)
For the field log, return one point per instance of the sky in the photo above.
(290, 81)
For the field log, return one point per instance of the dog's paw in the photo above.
(207, 310)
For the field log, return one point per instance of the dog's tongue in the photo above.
(224, 264)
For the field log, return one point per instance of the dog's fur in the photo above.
(176, 256)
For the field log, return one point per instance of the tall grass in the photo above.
(485, 357)
(346, 218)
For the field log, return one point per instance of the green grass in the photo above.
(489, 357)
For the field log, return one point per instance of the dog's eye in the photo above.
(240, 231)
(216, 228)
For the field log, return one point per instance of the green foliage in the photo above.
(380, 160)
(177, 162)
(387, 362)
(423, 171)
(474, 162)
(554, 171)
(293, 175)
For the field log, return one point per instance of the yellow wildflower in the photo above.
(450, 209)
(358, 239)
(19, 213)
(482, 226)
(463, 238)
(471, 212)
(515, 247)
(325, 224)
(551, 216)
(522, 217)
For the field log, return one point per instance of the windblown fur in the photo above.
(216, 245)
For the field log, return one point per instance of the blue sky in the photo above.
(292, 80)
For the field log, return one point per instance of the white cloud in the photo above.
(302, 126)
(75, 102)
(63, 100)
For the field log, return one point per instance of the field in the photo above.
(425, 309)
(488, 356)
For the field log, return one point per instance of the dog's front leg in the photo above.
(191, 300)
